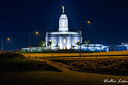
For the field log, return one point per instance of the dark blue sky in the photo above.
(21, 18)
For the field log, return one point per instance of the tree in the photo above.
(87, 42)
(42, 43)
(79, 44)
(49, 44)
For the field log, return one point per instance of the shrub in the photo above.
(11, 55)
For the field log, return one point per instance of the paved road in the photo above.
(57, 78)
(60, 66)
(65, 68)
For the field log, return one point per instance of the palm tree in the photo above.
(49, 44)
(79, 44)
(87, 42)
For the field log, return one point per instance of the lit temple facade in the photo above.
(63, 38)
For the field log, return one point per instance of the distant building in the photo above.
(63, 38)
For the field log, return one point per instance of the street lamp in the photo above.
(36, 33)
(2, 44)
(30, 36)
(88, 22)
(8, 39)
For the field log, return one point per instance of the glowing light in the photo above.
(89, 22)
(37, 33)
(64, 47)
(74, 41)
(8, 39)
(63, 24)
(54, 41)
(64, 41)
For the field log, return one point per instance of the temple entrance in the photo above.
(64, 44)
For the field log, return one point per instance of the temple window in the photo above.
(63, 24)
(74, 41)
(64, 41)
(54, 41)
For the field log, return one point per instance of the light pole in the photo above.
(37, 34)
(2, 44)
(30, 36)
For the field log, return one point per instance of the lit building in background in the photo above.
(63, 38)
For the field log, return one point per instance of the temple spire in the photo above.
(62, 9)
(63, 21)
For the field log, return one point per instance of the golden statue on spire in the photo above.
(62, 9)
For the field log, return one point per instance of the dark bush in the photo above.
(15, 62)
(11, 55)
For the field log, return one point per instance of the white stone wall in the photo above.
(63, 23)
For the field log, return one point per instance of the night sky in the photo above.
(19, 19)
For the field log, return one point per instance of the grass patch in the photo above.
(106, 66)
(15, 62)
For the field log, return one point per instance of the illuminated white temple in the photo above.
(63, 38)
